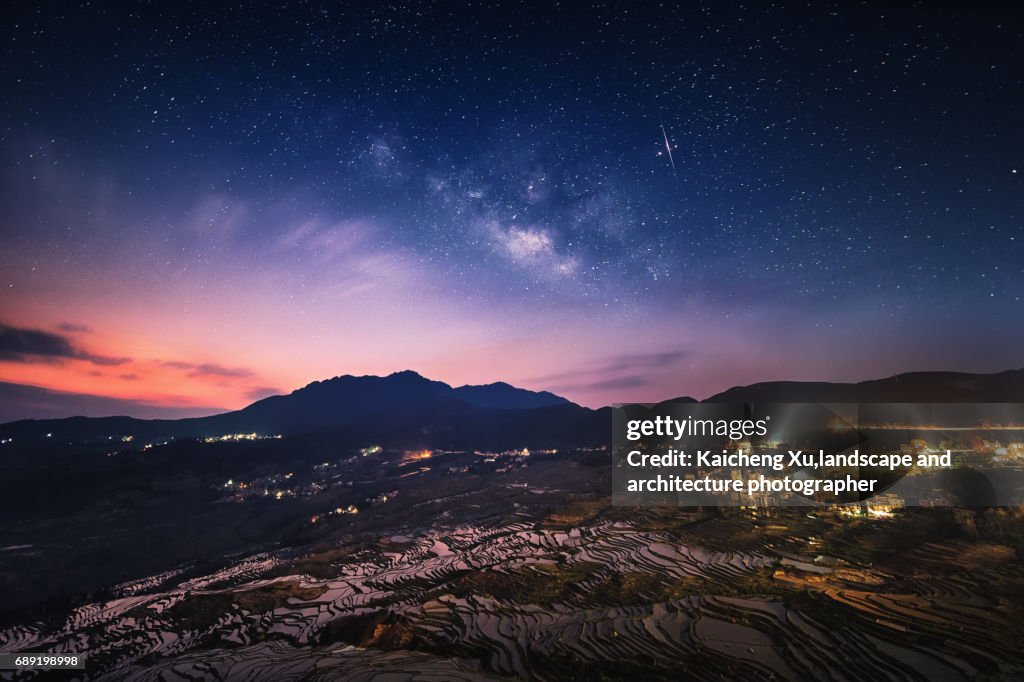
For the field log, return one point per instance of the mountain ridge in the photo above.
(401, 401)
(408, 403)
(909, 387)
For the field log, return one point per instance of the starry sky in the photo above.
(203, 204)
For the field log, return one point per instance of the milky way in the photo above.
(480, 192)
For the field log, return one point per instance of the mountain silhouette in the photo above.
(407, 407)
(403, 402)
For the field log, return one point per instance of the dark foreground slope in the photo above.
(423, 534)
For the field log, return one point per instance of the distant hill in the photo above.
(913, 387)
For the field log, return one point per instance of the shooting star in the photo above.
(668, 148)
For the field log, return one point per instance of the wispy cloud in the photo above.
(209, 369)
(23, 401)
(23, 345)
(631, 381)
(327, 240)
(628, 370)
(637, 363)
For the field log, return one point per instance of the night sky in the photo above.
(202, 205)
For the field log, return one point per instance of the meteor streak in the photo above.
(668, 148)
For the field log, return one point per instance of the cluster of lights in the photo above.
(235, 437)
(415, 455)
(340, 511)
(519, 452)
